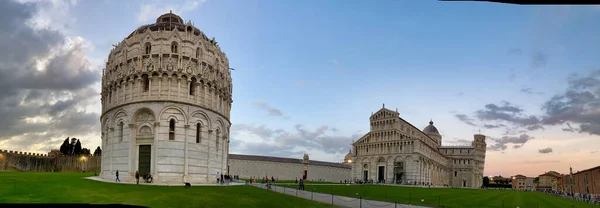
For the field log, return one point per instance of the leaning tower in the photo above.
(166, 103)
(480, 149)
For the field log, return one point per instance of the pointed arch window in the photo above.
(174, 47)
(172, 129)
(148, 48)
(198, 132)
(198, 52)
(121, 126)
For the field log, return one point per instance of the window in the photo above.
(148, 48)
(121, 125)
(455, 173)
(198, 132)
(174, 47)
(172, 129)
(198, 52)
(193, 86)
(146, 82)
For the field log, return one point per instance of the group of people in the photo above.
(225, 178)
(589, 198)
(147, 178)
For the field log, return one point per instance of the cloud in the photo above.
(538, 59)
(46, 80)
(500, 143)
(530, 91)
(278, 142)
(545, 150)
(458, 141)
(578, 105)
(540, 161)
(151, 11)
(517, 146)
(510, 114)
(337, 65)
(490, 126)
(466, 119)
(270, 109)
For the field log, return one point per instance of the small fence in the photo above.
(341, 201)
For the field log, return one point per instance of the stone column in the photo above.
(112, 132)
(185, 144)
(149, 85)
(132, 149)
(160, 77)
(154, 153)
(208, 155)
(169, 88)
(178, 88)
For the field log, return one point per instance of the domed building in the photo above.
(348, 158)
(166, 103)
(395, 151)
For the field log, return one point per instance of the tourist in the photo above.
(117, 174)
(218, 177)
(137, 177)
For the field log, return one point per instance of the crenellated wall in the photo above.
(35, 162)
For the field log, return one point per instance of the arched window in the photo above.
(193, 86)
(198, 132)
(174, 47)
(146, 82)
(455, 173)
(172, 129)
(218, 138)
(198, 52)
(148, 48)
(121, 125)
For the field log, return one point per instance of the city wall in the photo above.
(35, 162)
(288, 170)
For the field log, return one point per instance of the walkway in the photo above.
(340, 201)
(97, 178)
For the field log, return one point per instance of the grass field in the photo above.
(451, 198)
(27, 187)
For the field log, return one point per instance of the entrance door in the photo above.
(144, 156)
(464, 183)
(305, 175)
(399, 177)
(365, 175)
(381, 174)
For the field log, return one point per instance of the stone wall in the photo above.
(35, 162)
(289, 170)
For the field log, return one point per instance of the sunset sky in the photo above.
(310, 73)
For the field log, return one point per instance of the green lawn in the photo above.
(451, 198)
(27, 187)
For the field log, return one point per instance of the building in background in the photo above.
(500, 180)
(395, 151)
(587, 181)
(548, 181)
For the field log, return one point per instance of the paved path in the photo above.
(340, 201)
(97, 178)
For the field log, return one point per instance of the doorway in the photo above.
(365, 175)
(305, 175)
(381, 174)
(464, 183)
(145, 153)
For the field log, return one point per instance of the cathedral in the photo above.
(395, 151)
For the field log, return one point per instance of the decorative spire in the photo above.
(396, 110)
(430, 121)
(384, 105)
(170, 11)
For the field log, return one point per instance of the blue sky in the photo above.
(331, 63)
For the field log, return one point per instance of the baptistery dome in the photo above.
(166, 103)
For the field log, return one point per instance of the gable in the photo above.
(384, 113)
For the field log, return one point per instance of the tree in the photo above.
(486, 181)
(77, 149)
(98, 151)
(85, 151)
(64, 148)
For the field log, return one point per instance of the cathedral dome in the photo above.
(348, 157)
(430, 129)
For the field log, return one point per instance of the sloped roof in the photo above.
(286, 160)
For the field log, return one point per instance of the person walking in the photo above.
(117, 174)
(137, 177)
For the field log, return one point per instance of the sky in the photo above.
(308, 74)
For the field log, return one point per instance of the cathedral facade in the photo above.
(166, 102)
(395, 151)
